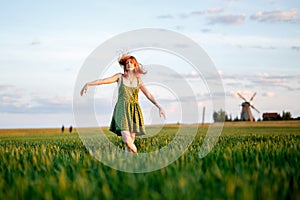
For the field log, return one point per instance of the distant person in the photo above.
(127, 120)
(70, 129)
(62, 129)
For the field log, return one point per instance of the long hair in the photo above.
(138, 68)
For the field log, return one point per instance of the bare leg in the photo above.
(126, 136)
(132, 135)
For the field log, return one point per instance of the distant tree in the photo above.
(228, 118)
(220, 116)
(286, 115)
(236, 119)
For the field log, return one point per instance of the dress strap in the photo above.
(139, 81)
(121, 79)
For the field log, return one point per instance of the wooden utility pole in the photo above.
(203, 115)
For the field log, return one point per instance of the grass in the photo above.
(250, 161)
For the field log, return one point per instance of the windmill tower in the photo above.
(246, 113)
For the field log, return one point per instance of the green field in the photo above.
(258, 160)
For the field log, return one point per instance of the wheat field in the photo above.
(250, 161)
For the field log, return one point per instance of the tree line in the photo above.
(221, 116)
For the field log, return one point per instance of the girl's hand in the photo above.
(162, 113)
(84, 89)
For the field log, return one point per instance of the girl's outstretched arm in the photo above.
(153, 100)
(108, 80)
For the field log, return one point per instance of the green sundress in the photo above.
(127, 115)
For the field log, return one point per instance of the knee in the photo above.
(126, 137)
(128, 143)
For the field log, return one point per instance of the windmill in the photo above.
(246, 113)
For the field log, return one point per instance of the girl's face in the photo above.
(129, 66)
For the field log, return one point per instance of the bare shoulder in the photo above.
(142, 86)
(140, 81)
(117, 76)
(110, 79)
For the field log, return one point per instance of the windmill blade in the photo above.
(255, 108)
(253, 96)
(241, 96)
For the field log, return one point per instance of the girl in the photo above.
(127, 120)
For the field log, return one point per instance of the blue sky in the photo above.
(255, 46)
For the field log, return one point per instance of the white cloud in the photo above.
(262, 81)
(214, 10)
(14, 102)
(248, 41)
(205, 30)
(296, 48)
(210, 11)
(35, 41)
(4, 87)
(266, 79)
(227, 19)
(263, 75)
(197, 13)
(165, 17)
(213, 15)
(276, 15)
(220, 72)
(268, 94)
